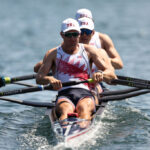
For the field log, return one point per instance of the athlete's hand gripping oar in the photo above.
(41, 88)
(8, 80)
(133, 79)
(28, 103)
(131, 83)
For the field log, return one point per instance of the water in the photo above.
(29, 28)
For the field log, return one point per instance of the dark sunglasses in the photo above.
(71, 34)
(86, 31)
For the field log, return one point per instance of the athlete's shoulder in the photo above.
(88, 46)
(90, 49)
(51, 53)
(104, 36)
(52, 50)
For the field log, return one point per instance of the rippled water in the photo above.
(29, 28)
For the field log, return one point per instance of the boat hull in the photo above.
(70, 130)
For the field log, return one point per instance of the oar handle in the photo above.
(76, 82)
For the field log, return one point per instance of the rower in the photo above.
(71, 61)
(101, 41)
(86, 37)
(98, 39)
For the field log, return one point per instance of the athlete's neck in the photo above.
(70, 49)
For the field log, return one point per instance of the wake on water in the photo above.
(32, 140)
(116, 124)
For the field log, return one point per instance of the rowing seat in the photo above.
(72, 115)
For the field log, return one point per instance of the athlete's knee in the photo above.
(86, 106)
(63, 108)
(83, 111)
(83, 107)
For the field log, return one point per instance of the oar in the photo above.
(123, 96)
(41, 88)
(131, 83)
(8, 80)
(29, 103)
(51, 105)
(133, 79)
(107, 93)
(25, 84)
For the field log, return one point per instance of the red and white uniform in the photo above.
(73, 67)
(95, 40)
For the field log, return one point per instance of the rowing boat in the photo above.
(70, 130)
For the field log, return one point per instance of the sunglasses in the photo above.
(71, 34)
(86, 31)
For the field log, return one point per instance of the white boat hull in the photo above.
(69, 130)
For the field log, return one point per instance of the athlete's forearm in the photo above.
(43, 80)
(116, 63)
(37, 66)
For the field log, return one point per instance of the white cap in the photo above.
(83, 13)
(86, 23)
(70, 24)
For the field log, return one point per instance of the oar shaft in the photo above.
(29, 103)
(131, 83)
(123, 96)
(25, 84)
(134, 79)
(24, 90)
(20, 78)
(8, 80)
(41, 88)
(26, 77)
(117, 92)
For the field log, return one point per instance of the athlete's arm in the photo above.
(98, 59)
(39, 64)
(109, 47)
(47, 65)
(105, 57)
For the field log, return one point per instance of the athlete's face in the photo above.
(71, 37)
(86, 36)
